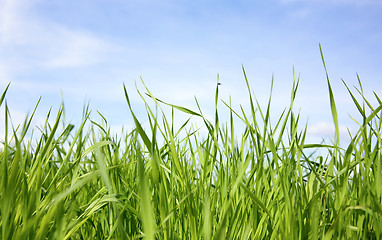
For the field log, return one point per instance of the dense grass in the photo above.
(164, 183)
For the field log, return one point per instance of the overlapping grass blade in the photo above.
(265, 182)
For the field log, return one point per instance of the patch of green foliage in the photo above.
(166, 183)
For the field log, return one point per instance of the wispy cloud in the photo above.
(10, 12)
(73, 49)
(325, 129)
(178, 48)
(35, 42)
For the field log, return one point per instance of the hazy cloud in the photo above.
(322, 129)
(34, 41)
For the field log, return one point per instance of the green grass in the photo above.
(62, 182)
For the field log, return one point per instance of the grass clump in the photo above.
(166, 183)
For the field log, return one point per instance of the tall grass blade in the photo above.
(332, 103)
(3, 95)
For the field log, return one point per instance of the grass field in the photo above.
(61, 182)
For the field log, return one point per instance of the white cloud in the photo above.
(35, 42)
(325, 129)
(10, 12)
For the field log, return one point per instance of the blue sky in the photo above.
(80, 51)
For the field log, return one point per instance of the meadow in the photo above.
(64, 182)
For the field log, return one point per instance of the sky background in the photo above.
(84, 51)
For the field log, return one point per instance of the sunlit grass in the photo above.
(165, 183)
